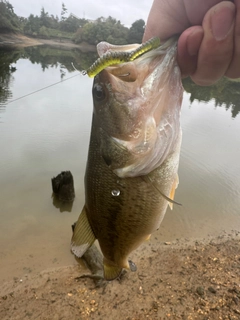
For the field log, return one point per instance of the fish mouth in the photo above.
(138, 117)
(126, 72)
(122, 82)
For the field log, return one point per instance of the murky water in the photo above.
(48, 131)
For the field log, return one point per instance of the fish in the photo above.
(134, 150)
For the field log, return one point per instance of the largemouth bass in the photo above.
(133, 158)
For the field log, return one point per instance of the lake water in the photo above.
(48, 131)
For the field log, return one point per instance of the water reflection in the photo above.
(225, 93)
(50, 57)
(47, 57)
(62, 206)
(7, 58)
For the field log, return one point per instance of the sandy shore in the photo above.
(19, 40)
(176, 281)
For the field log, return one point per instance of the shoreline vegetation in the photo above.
(68, 28)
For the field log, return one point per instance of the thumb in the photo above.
(215, 52)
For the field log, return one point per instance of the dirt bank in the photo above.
(19, 40)
(176, 281)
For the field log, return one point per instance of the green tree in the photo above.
(54, 22)
(103, 29)
(45, 20)
(9, 21)
(32, 25)
(89, 32)
(63, 12)
(71, 24)
(136, 31)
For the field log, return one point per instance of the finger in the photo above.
(169, 17)
(216, 49)
(196, 9)
(165, 19)
(234, 67)
(188, 47)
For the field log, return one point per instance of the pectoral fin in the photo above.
(83, 237)
(148, 237)
(172, 193)
(171, 201)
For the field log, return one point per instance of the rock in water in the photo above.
(63, 186)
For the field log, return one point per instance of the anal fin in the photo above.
(83, 237)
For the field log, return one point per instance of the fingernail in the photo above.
(222, 21)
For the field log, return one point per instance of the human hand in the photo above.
(209, 44)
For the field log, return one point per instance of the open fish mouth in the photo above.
(134, 106)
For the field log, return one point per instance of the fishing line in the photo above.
(51, 85)
(104, 61)
(75, 67)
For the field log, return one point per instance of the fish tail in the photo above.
(83, 237)
(111, 272)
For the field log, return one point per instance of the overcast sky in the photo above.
(127, 11)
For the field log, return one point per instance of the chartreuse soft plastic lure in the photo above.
(117, 57)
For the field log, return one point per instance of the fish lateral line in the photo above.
(146, 178)
(117, 57)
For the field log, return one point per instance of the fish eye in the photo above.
(99, 92)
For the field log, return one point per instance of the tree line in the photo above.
(69, 26)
